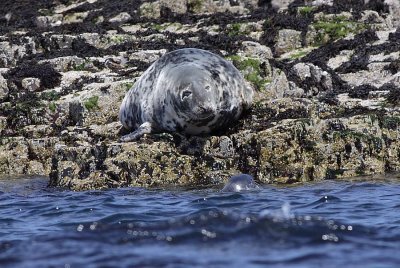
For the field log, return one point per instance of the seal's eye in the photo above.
(186, 94)
(208, 88)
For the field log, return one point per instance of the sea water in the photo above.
(324, 224)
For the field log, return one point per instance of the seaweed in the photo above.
(361, 91)
(48, 76)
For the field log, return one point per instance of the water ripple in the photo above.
(302, 226)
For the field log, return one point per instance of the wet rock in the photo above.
(36, 168)
(14, 156)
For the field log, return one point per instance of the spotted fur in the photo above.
(189, 90)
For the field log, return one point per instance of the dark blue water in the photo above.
(326, 224)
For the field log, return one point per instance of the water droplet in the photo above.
(208, 233)
(160, 237)
(80, 228)
(93, 226)
(330, 237)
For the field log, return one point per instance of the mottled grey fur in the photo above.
(188, 90)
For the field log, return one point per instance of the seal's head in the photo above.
(239, 183)
(196, 95)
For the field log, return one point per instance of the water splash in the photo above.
(284, 213)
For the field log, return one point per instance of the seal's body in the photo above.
(187, 90)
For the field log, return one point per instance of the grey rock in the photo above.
(11, 53)
(319, 2)
(310, 71)
(150, 10)
(31, 83)
(281, 4)
(394, 7)
(344, 56)
(375, 75)
(294, 91)
(279, 85)
(3, 88)
(210, 6)
(121, 18)
(49, 21)
(3, 123)
(287, 40)
(77, 17)
(176, 6)
(256, 50)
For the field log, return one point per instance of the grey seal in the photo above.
(241, 182)
(188, 90)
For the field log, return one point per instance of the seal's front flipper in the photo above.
(144, 128)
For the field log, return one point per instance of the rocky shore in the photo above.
(326, 76)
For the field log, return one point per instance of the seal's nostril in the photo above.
(205, 110)
(186, 94)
